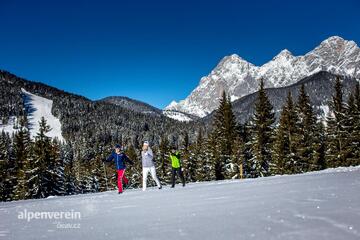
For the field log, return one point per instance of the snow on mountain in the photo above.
(317, 205)
(179, 116)
(239, 78)
(172, 104)
(318, 86)
(36, 108)
(9, 126)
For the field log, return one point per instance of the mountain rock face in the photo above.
(239, 78)
(319, 87)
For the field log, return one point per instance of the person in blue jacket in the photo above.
(119, 157)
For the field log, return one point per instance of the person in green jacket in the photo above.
(176, 167)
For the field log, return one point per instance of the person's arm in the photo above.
(142, 154)
(149, 152)
(110, 158)
(127, 159)
(170, 157)
(179, 157)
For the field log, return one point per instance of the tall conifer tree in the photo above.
(262, 132)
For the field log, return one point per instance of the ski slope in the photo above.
(319, 205)
(36, 107)
(41, 107)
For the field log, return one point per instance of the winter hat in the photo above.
(117, 146)
(146, 143)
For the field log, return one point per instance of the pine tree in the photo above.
(211, 158)
(165, 166)
(352, 127)
(70, 183)
(134, 173)
(40, 181)
(294, 165)
(6, 184)
(97, 175)
(3, 166)
(336, 133)
(262, 132)
(355, 134)
(319, 159)
(225, 133)
(247, 154)
(95, 178)
(204, 160)
(78, 173)
(187, 161)
(58, 173)
(22, 150)
(285, 159)
(307, 128)
(237, 159)
(280, 151)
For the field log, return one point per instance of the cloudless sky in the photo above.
(157, 51)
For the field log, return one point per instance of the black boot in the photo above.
(160, 187)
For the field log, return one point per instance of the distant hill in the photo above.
(83, 120)
(132, 104)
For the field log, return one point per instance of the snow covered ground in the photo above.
(320, 205)
(37, 107)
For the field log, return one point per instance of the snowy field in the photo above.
(37, 107)
(320, 205)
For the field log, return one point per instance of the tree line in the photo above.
(298, 142)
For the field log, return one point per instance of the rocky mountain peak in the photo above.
(239, 78)
(284, 54)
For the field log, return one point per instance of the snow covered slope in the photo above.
(38, 107)
(320, 205)
(239, 78)
(179, 116)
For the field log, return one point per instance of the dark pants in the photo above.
(179, 173)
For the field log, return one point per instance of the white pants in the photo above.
(152, 170)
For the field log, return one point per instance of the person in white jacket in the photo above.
(148, 165)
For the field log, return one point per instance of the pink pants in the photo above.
(121, 178)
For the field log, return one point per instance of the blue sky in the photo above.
(157, 51)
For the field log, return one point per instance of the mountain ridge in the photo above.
(239, 77)
(319, 87)
(132, 104)
(82, 118)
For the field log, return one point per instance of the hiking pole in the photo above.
(107, 189)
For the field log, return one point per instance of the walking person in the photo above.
(119, 157)
(176, 167)
(148, 165)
